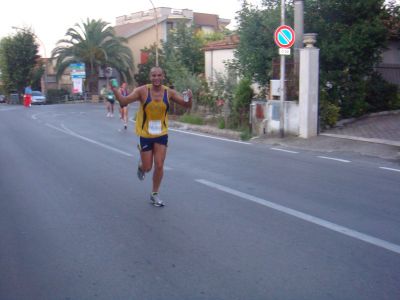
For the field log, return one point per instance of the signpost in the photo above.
(284, 37)
(77, 75)
(78, 70)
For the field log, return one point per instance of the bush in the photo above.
(241, 101)
(245, 135)
(191, 119)
(221, 123)
(55, 95)
(381, 95)
(329, 113)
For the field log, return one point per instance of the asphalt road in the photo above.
(242, 220)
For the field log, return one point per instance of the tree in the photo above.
(391, 19)
(241, 102)
(183, 42)
(142, 76)
(256, 49)
(19, 61)
(206, 37)
(95, 44)
(351, 36)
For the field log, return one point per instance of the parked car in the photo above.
(38, 98)
(2, 98)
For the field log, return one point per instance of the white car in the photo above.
(38, 97)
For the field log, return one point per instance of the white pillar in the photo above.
(298, 27)
(309, 88)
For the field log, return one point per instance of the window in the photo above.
(176, 12)
(170, 26)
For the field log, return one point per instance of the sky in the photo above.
(51, 19)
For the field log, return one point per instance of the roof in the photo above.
(132, 28)
(200, 19)
(230, 42)
(129, 29)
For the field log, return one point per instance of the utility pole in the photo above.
(156, 25)
(299, 30)
(282, 90)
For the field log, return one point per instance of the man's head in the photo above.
(156, 76)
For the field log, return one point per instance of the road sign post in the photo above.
(284, 38)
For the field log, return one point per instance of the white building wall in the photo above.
(215, 62)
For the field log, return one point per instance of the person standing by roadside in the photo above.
(123, 109)
(28, 96)
(152, 125)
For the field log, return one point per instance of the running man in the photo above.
(152, 125)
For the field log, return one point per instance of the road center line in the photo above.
(309, 218)
(283, 150)
(389, 169)
(336, 159)
(70, 132)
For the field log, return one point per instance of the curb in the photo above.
(226, 133)
(344, 122)
(369, 140)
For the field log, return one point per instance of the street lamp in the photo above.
(156, 24)
(44, 83)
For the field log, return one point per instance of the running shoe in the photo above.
(140, 173)
(155, 200)
(125, 126)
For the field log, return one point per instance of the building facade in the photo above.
(145, 28)
(217, 55)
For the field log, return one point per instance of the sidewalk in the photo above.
(377, 135)
(380, 128)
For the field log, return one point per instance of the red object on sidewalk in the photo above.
(27, 100)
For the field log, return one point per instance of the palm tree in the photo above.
(96, 45)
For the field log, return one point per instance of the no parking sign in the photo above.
(284, 36)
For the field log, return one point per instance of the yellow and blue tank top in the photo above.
(152, 116)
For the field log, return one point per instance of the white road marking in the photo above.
(35, 116)
(389, 169)
(68, 131)
(56, 128)
(7, 108)
(283, 150)
(95, 142)
(336, 159)
(210, 137)
(309, 218)
(74, 134)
